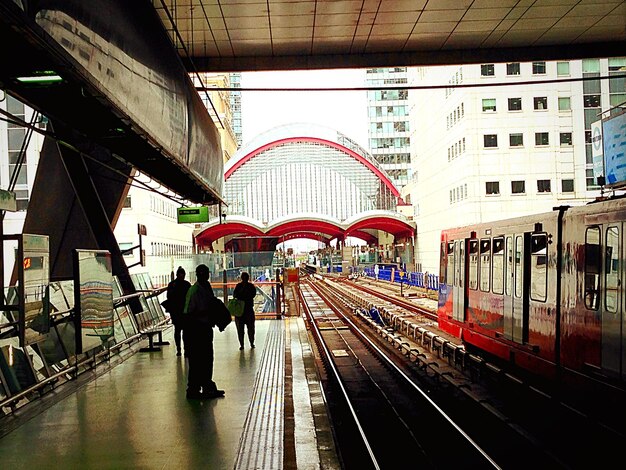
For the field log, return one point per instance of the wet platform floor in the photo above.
(136, 415)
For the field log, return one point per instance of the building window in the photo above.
(489, 105)
(565, 138)
(400, 126)
(567, 186)
(487, 70)
(515, 104)
(21, 199)
(542, 138)
(543, 186)
(490, 140)
(617, 86)
(540, 102)
(492, 187)
(513, 68)
(516, 140)
(539, 68)
(127, 202)
(518, 187)
(590, 179)
(22, 175)
(591, 101)
(127, 246)
(565, 103)
(562, 68)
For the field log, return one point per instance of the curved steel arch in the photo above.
(364, 161)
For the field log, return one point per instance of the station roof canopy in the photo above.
(248, 35)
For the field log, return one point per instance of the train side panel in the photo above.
(509, 289)
(592, 319)
(505, 289)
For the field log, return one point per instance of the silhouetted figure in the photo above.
(245, 291)
(176, 295)
(199, 321)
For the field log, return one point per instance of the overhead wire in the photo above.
(420, 87)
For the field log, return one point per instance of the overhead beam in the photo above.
(405, 59)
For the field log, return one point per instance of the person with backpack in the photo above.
(203, 311)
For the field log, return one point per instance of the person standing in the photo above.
(199, 322)
(245, 291)
(176, 295)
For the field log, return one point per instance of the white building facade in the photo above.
(388, 117)
(14, 138)
(493, 152)
(166, 244)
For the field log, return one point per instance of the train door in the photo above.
(514, 283)
(613, 350)
(459, 295)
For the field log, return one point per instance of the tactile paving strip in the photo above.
(261, 444)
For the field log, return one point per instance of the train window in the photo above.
(593, 263)
(519, 267)
(539, 267)
(509, 266)
(611, 270)
(498, 265)
(485, 264)
(450, 268)
(473, 264)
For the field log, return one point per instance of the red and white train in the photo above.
(544, 292)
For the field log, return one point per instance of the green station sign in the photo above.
(193, 215)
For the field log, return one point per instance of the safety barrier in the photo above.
(27, 373)
(418, 279)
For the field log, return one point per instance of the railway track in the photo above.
(565, 435)
(382, 410)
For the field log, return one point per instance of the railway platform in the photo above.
(136, 415)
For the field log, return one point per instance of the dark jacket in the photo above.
(203, 309)
(176, 295)
(246, 291)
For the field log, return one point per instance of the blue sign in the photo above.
(614, 140)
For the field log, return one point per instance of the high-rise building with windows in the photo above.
(235, 106)
(492, 152)
(388, 113)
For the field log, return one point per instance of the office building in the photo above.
(388, 115)
(506, 148)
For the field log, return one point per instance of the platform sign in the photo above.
(8, 202)
(614, 146)
(34, 277)
(93, 299)
(597, 152)
(193, 215)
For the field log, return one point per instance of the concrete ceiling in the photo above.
(247, 35)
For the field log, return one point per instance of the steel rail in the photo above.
(408, 380)
(319, 340)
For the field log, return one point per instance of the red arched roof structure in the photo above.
(310, 226)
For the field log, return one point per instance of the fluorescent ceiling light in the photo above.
(42, 77)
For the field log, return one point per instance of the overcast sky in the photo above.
(345, 111)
